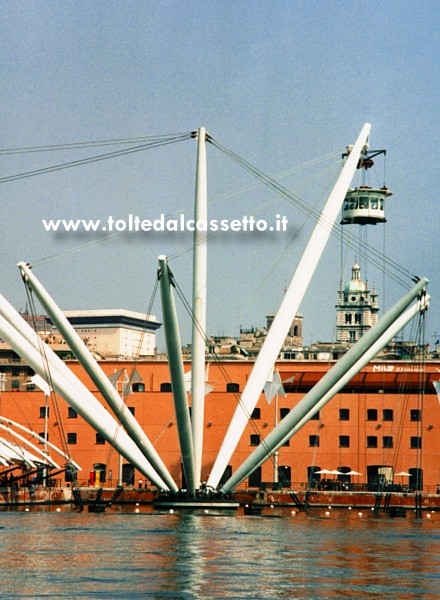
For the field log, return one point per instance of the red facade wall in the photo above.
(382, 386)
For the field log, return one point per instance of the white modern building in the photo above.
(116, 333)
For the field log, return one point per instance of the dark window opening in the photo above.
(138, 387)
(415, 414)
(371, 441)
(371, 414)
(387, 414)
(44, 412)
(233, 387)
(344, 441)
(387, 441)
(71, 438)
(256, 413)
(344, 414)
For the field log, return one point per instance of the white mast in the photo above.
(96, 374)
(334, 380)
(79, 397)
(47, 458)
(287, 310)
(175, 363)
(40, 439)
(199, 308)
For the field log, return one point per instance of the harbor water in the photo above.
(129, 555)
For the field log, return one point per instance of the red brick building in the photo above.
(386, 421)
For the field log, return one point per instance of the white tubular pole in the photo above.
(48, 460)
(95, 372)
(420, 306)
(41, 440)
(17, 454)
(82, 400)
(175, 363)
(333, 381)
(199, 308)
(287, 310)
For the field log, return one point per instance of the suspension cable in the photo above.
(99, 157)
(376, 255)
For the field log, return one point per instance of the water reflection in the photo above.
(69, 555)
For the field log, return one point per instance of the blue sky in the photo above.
(280, 83)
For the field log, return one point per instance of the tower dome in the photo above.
(355, 285)
(357, 308)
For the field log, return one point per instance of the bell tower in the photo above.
(356, 309)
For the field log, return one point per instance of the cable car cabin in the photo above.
(365, 206)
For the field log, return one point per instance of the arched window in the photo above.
(128, 474)
(166, 387)
(416, 479)
(101, 469)
(295, 331)
(358, 318)
(255, 478)
(348, 317)
(284, 476)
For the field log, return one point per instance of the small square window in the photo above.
(284, 412)
(100, 439)
(256, 414)
(233, 387)
(371, 441)
(344, 414)
(344, 441)
(254, 439)
(416, 442)
(387, 414)
(71, 438)
(415, 414)
(371, 414)
(71, 413)
(44, 412)
(314, 441)
(387, 441)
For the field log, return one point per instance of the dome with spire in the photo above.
(355, 285)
